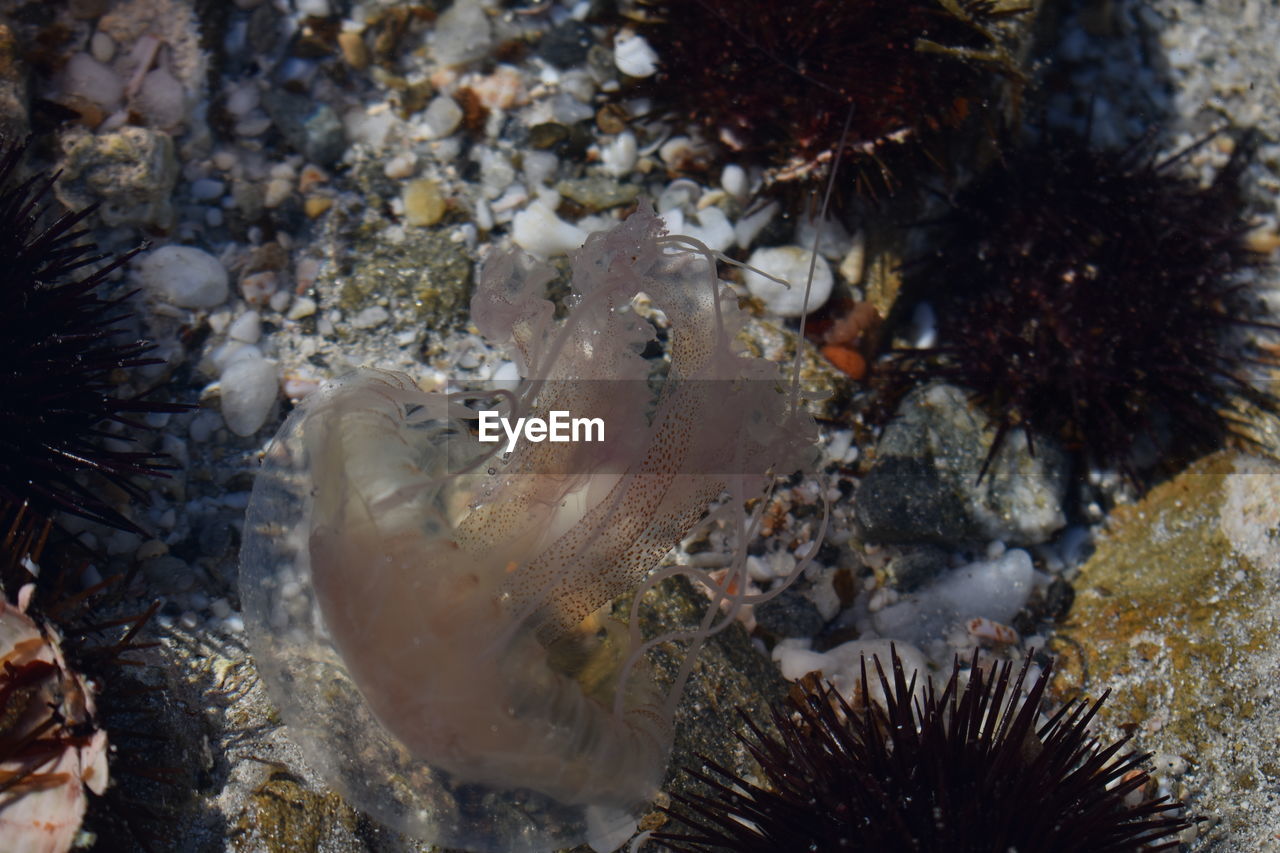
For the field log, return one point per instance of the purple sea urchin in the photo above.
(776, 80)
(967, 769)
(1091, 296)
(58, 356)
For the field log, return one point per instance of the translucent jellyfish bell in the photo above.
(328, 710)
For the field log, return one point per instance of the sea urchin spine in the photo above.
(59, 355)
(965, 769)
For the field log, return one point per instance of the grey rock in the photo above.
(566, 45)
(597, 192)
(130, 171)
(912, 568)
(924, 486)
(14, 125)
(312, 129)
(790, 614)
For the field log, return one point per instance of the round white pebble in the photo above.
(791, 264)
(184, 276)
(246, 328)
(442, 117)
(537, 229)
(371, 317)
(735, 182)
(249, 388)
(92, 80)
(633, 55)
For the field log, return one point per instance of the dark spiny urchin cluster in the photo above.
(776, 79)
(967, 770)
(58, 354)
(1092, 296)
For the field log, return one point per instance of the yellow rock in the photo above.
(316, 205)
(1178, 612)
(423, 204)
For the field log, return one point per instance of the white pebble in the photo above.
(633, 56)
(254, 124)
(402, 165)
(277, 192)
(207, 189)
(371, 317)
(249, 388)
(242, 100)
(184, 276)
(539, 167)
(246, 328)
(462, 33)
(749, 227)
(713, 229)
(993, 589)
(537, 229)
(734, 181)
(258, 287)
(162, 99)
(90, 79)
(618, 158)
(102, 47)
(313, 8)
(791, 264)
(303, 306)
(203, 426)
(842, 665)
(280, 301)
(441, 117)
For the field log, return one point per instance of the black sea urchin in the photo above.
(775, 79)
(1093, 296)
(58, 353)
(964, 771)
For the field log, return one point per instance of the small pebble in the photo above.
(354, 52)
(203, 426)
(423, 204)
(462, 33)
(207, 189)
(537, 229)
(303, 306)
(311, 177)
(403, 165)
(242, 100)
(280, 301)
(371, 317)
(734, 181)
(256, 288)
(90, 79)
(249, 389)
(633, 56)
(442, 117)
(316, 205)
(162, 100)
(277, 192)
(101, 47)
(183, 276)
(791, 264)
(618, 158)
(502, 90)
(246, 328)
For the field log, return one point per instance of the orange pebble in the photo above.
(848, 360)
